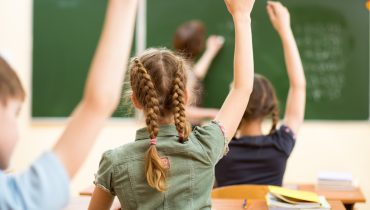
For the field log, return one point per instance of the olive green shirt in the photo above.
(191, 169)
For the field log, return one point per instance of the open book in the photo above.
(280, 198)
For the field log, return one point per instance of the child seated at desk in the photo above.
(255, 158)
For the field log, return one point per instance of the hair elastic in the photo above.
(153, 141)
(181, 137)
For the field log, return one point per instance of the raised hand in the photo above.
(296, 100)
(279, 16)
(239, 8)
(214, 44)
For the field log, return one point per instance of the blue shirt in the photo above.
(43, 186)
(256, 159)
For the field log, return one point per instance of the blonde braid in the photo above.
(154, 169)
(178, 99)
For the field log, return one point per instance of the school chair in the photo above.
(255, 192)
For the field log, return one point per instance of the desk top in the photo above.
(82, 202)
(345, 196)
(229, 204)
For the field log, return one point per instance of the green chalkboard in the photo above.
(65, 35)
(332, 36)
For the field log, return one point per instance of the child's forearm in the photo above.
(243, 55)
(202, 66)
(103, 87)
(296, 100)
(236, 102)
(292, 60)
(105, 78)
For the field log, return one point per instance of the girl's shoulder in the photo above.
(211, 137)
(284, 132)
(122, 153)
(213, 129)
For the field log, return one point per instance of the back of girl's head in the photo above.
(190, 39)
(262, 103)
(10, 85)
(158, 78)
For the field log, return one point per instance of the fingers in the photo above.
(277, 10)
(240, 8)
(227, 3)
(215, 43)
(277, 7)
(212, 37)
(216, 40)
(220, 40)
(271, 12)
(275, 4)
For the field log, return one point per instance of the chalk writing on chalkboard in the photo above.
(325, 58)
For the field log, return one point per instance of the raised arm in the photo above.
(103, 86)
(214, 44)
(296, 101)
(236, 102)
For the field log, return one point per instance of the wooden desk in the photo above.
(82, 202)
(349, 198)
(231, 204)
(346, 197)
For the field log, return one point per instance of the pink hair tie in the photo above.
(153, 141)
(181, 137)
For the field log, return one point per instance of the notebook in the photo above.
(335, 181)
(280, 198)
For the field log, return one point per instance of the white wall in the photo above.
(338, 146)
(16, 41)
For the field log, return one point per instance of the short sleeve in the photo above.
(37, 187)
(103, 179)
(212, 138)
(285, 139)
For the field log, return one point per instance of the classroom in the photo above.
(52, 44)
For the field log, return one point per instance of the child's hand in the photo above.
(239, 8)
(279, 16)
(214, 44)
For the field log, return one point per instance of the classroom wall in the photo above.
(321, 145)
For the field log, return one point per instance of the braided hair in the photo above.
(178, 98)
(262, 103)
(158, 79)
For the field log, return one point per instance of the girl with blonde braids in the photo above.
(255, 158)
(170, 166)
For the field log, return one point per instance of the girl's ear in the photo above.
(135, 102)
